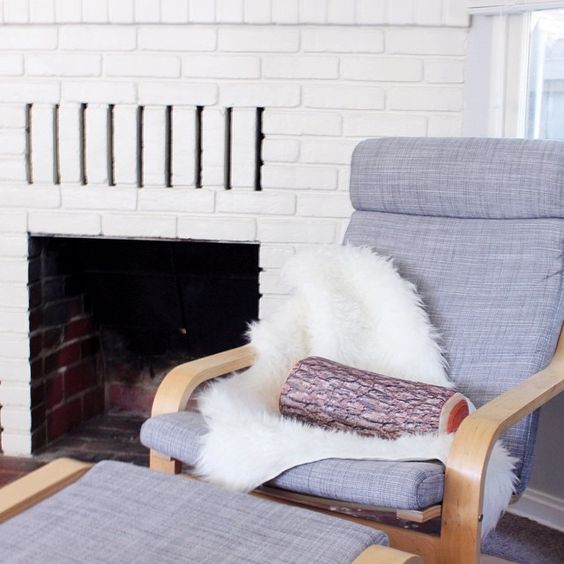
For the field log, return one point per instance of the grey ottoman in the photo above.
(123, 513)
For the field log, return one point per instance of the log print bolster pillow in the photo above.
(327, 394)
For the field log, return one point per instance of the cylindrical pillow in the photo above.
(337, 397)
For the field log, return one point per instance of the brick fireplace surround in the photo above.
(221, 120)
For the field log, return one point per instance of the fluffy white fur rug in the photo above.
(349, 305)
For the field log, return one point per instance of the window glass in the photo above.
(545, 95)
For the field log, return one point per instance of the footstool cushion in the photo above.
(123, 513)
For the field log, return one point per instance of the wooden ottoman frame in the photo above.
(48, 480)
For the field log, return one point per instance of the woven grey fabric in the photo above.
(493, 288)
(473, 178)
(401, 485)
(122, 513)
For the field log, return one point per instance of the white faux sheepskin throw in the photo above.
(349, 305)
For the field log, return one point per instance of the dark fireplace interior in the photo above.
(110, 317)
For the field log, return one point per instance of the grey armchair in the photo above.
(478, 226)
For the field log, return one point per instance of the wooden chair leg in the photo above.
(164, 463)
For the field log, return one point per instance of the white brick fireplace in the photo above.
(299, 81)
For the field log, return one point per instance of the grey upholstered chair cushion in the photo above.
(493, 287)
(401, 485)
(122, 513)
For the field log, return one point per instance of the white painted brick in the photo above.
(456, 13)
(327, 151)
(268, 305)
(15, 419)
(301, 123)
(425, 98)
(257, 12)
(125, 144)
(344, 178)
(341, 11)
(243, 147)
(64, 223)
(30, 196)
(157, 66)
(99, 198)
(281, 150)
(15, 370)
(202, 11)
(154, 146)
(12, 116)
(15, 394)
(99, 92)
(19, 91)
(384, 124)
(177, 93)
(213, 147)
(12, 170)
(268, 203)
(139, 225)
(70, 11)
(342, 40)
(382, 69)
(13, 321)
(120, 11)
(444, 71)
(96, 144)
(95, 11)
(146, 11)
(230, 11)
(308, 177)
(343, 97)
(183, 146)
(369, 12)
(174, 11)
(13, 246)
(303, 66)
(13, 221)
(426, 41)
(260, 94)
(285, 11)
(429, 12)
(271, 283)
(69, 143)
(16, 11)
(97, 38)
(297, 231)
(217, 228)
(24, 38)
(221, 66)
(324, 205)
(63, 64)
(42, 143)
(13, 295)
(274, 256)
(12, 142)
(445, 125)
(11, 65)
(16, 443)
(257, 39)
(188, 200)
(313, 11)
(400, 12)
(12, 270)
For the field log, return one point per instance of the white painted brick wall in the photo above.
(328, 74)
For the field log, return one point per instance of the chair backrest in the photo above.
(477, 225)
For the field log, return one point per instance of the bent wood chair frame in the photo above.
(461, 512)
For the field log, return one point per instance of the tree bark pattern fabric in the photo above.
(333, 396)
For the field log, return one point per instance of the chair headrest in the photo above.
(459, 177)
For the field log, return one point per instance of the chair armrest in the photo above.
(377, 554)
(175, 390)
(472, 445)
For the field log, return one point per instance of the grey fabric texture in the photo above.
(493, 288)
(401, 485)
(465, 177)
(122, 513)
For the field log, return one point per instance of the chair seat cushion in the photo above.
(123, 513)
(399, 485)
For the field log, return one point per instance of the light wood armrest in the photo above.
(376, 554)
(471, 448)
(38, 485)
(175, 390)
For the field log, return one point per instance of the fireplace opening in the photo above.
(110, 317)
